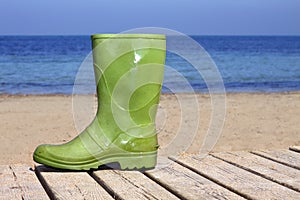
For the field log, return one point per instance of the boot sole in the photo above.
(130, 161)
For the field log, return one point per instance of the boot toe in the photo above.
(41, 153)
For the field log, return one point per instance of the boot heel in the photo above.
(138, 161)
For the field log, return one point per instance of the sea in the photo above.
(51, 64)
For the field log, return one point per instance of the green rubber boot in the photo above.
(129, 72)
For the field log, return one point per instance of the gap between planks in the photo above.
(62, 184)
(188, 184)
(131, 185)
(238, 180)
(273, 171)
(295, 148)
(285, 157)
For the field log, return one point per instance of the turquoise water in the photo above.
(48, 64)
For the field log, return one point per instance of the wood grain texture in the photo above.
(266, 168)
(295, 148)
(245, 183)
(19, 182)
(285, 157)
(188, 184)
(70, 185)
(131, 185)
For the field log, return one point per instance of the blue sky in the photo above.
(202, 17)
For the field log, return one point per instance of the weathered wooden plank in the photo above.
(188, 184)
(19, 182)
(285, 157)
(295, 148)
(266, 168)
(236, 179)
(9, 188)
(70, 185)
(131, 185)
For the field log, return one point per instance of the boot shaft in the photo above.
(129, 74)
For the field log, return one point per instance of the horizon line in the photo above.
(1, 35)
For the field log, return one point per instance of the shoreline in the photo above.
(184, 93)
(253, 121)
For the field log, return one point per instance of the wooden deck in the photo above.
(229, 175)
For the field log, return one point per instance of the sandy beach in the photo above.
(253, 121)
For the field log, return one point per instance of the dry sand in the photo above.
(253, 121)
